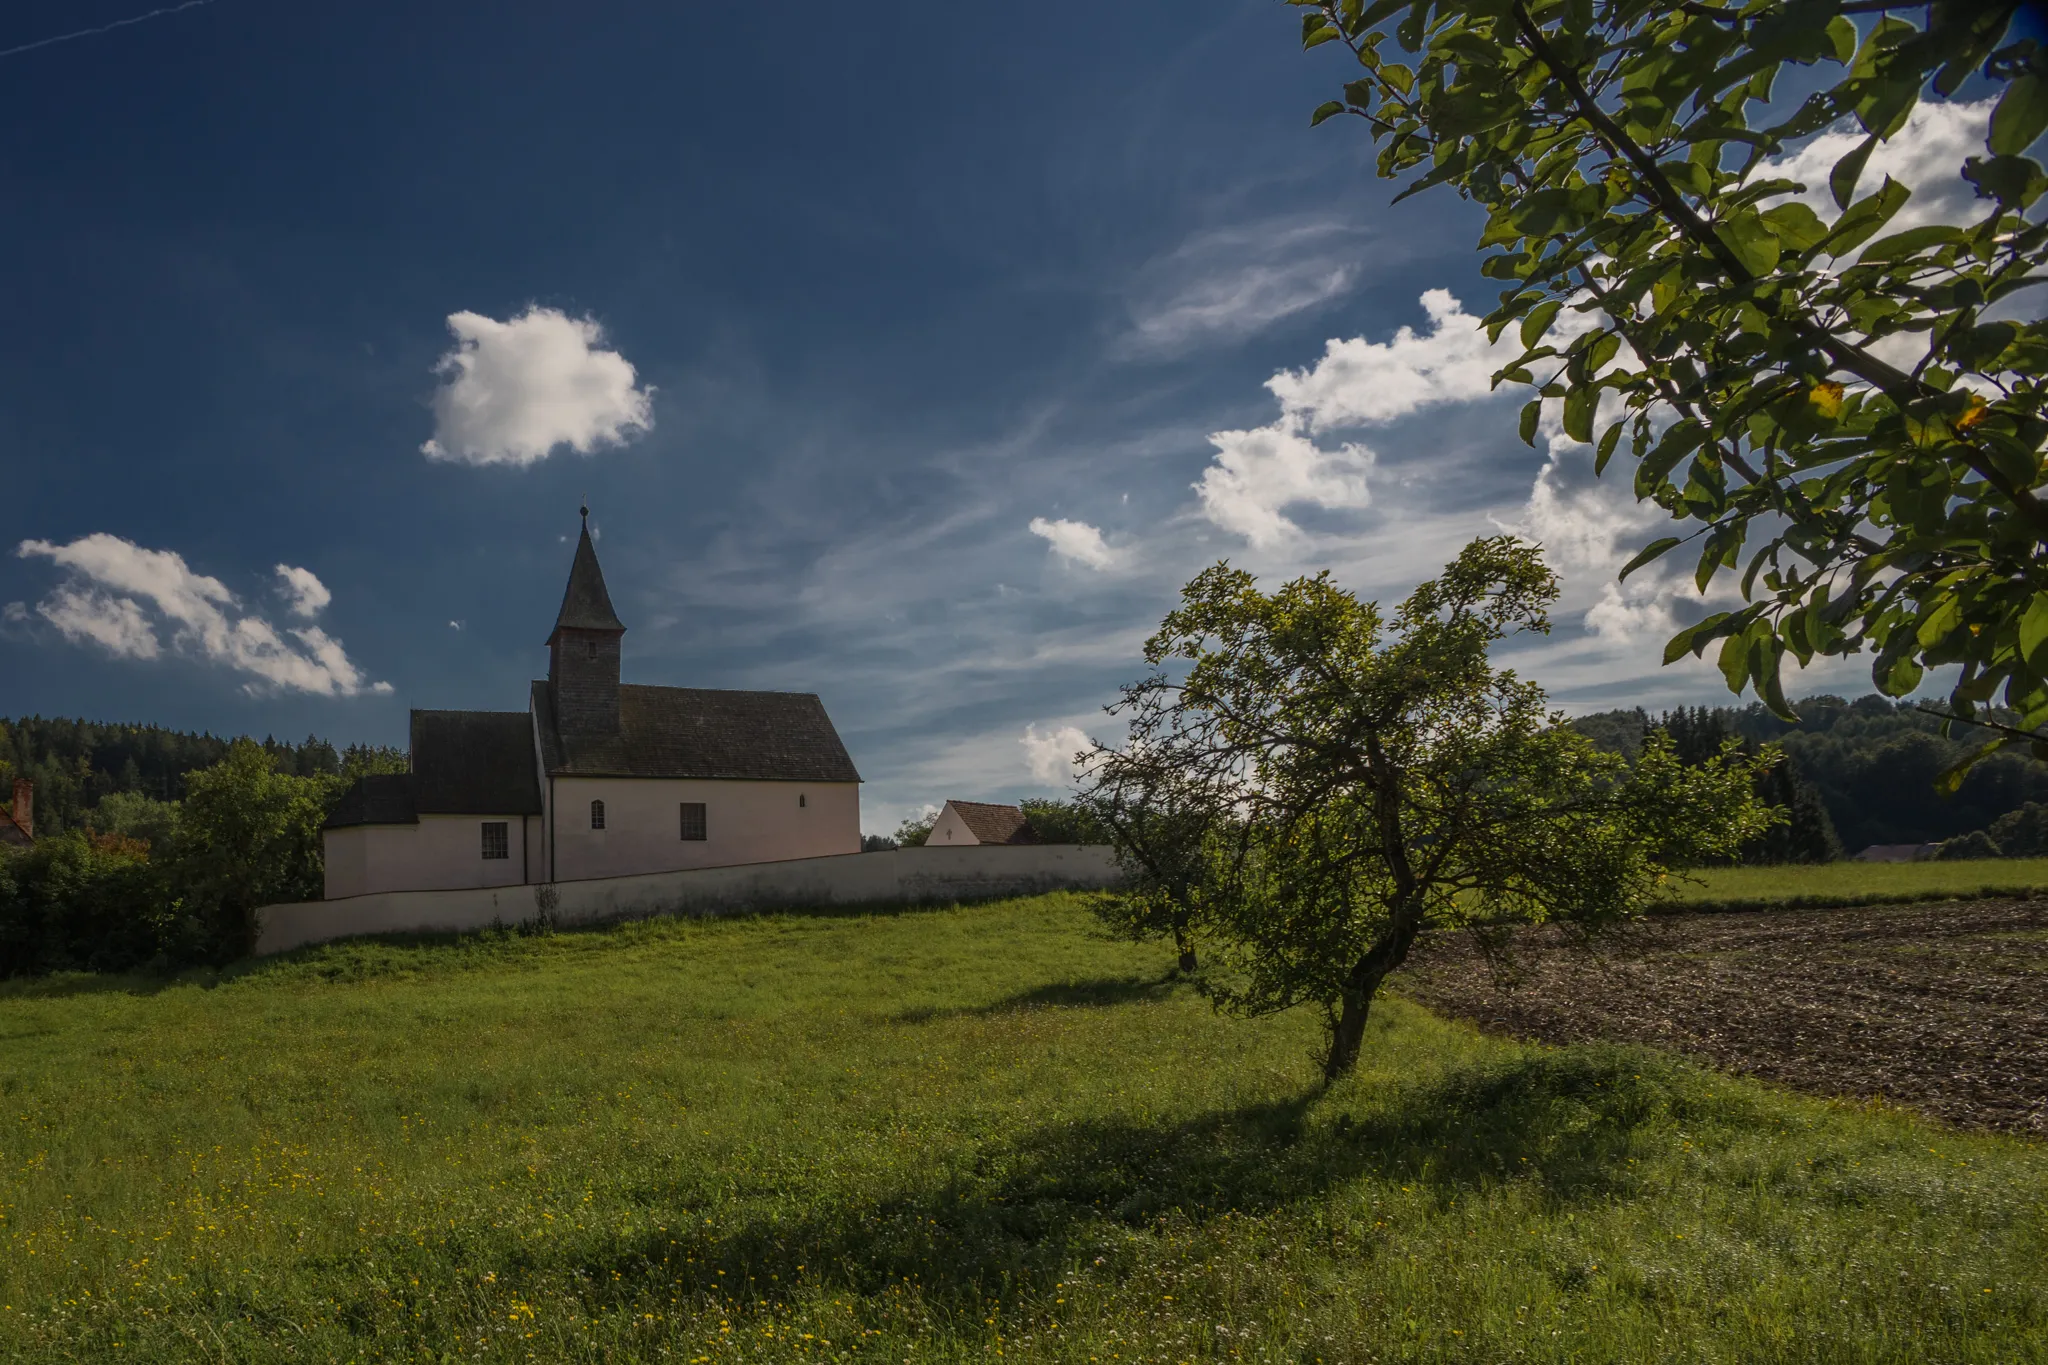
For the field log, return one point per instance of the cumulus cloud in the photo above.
(1367, 383)
(1926, 156)
(1050, 753)
(116, 624)
(513, 391)
(303, 592)
(1257, 474)
(119, 595)
(1076, 541)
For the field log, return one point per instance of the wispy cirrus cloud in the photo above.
(129, 600)
(1222, 286)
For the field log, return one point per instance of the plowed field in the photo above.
(1943, 1008)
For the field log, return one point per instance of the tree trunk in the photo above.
(1349, 1030)
(1362, 983)
(1187, 948)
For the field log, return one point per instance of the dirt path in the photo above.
(1941, 1007)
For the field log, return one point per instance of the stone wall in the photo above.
(907, 875)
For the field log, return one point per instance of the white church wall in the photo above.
(441, 852)
(908, 875)
(745, 822)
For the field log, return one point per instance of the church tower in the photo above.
(583, 651)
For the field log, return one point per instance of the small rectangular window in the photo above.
(693, 819)
(497, 843)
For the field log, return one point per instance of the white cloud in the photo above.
(1926, 156)
(1076, 541)
(304, 593)
(1226, 285)
(111, 579)
(1049, 753)
(1367, 383)
(14, 612)
(116, 624)
(513, 391)
(1257, 474)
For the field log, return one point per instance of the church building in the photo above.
(598, 778)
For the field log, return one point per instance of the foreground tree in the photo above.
(1867, 405)
(1320, 785)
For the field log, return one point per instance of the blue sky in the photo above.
(913, 360)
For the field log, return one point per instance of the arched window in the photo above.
(593, 649)
(799, 800)
(597, 815)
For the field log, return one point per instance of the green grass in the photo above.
(1852, 883)
(937, 1136)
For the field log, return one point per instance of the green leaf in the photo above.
(1935, 626)
(1842, 180)
(1683, 643)
(1649, 552)
(1398, 76)
(1326, 110)
(1734, 661)
(1795, 225)
(1532, 413)
(1579, 406)
(1752, 242)
(1539, 320)
(1842, 33)
(2016, 181)
(1607, 445)
(2021, 115)
(1865, 217)
(1900, 245)
(1950, 779)
(2034, 630)
(1327, 33)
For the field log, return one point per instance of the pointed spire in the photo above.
(586, 605)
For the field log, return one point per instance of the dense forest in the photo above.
(1872, 763)
(77, 764)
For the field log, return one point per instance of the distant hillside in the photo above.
(1873, 762)
(77, 763)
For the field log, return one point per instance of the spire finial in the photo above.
(585, 510)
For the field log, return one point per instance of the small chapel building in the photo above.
(597, 778)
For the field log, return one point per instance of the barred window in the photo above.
(693, 819)
(597, 815)
(497, 843)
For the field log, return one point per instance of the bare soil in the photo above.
(1943, 1008)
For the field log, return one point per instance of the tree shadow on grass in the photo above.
(1027, 1212)
(1097, 993)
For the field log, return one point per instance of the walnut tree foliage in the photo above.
(1848, 417)
(1308, 784)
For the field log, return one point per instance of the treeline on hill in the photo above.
(1870, 765)
(156, 847)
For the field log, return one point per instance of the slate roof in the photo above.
(696, 732)
(378, 799)
(474, 763)
(463, 763)
(586, 605)
(995, 824)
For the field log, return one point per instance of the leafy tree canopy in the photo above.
(1848, 415)
(1313, 784)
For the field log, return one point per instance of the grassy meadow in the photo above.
(943, 1135)
(1852, 883)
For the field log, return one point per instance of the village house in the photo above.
(18, 824)
(979, 822)
(598, 778)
